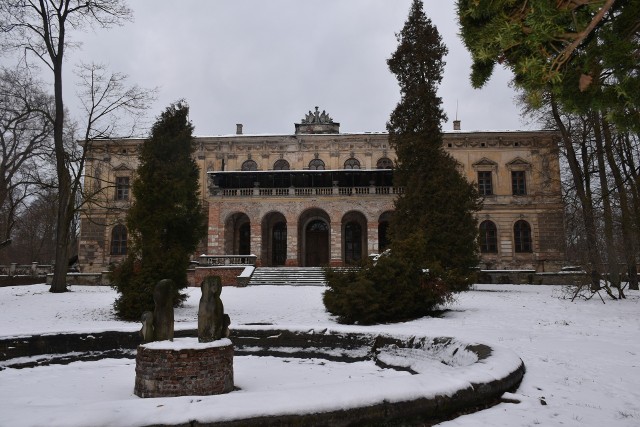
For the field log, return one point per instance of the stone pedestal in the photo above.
(184, 367)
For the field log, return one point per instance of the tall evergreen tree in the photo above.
(433, 227)
(438, 203)
(166, 220)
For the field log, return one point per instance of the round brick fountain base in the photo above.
(184, 367)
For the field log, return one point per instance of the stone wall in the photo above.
(228, 275)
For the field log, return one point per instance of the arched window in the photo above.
(119, 240)
(522, 236)
(281, 165)
(249, 165)
(488, 237)
(352, 164)
(384, 163)
(316, 164)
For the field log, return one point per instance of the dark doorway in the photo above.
(352, 242)
(244, 244)
(317, 243)
(279, 242)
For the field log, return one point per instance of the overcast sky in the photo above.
(267, 63)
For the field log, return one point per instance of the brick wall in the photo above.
(228, 275)
(198, 371)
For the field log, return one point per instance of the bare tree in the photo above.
(40, 28)
(25, 137)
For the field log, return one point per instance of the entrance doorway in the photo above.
(317, 243)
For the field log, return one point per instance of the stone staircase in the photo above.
(295, 276)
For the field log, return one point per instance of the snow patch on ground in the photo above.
(581, 357)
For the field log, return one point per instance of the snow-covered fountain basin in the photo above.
(438, 378)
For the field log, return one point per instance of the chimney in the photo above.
(456, 125)
(239, 129)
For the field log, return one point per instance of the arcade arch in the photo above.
(237, 234)
(274, 239)
(354, 237)
(314, 243)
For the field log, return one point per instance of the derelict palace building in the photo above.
(321, 197)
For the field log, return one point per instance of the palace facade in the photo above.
(320, 197)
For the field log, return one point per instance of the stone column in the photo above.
(372, 238)
(215, 231)
(335, 242)
(256, 240)
(292, 242)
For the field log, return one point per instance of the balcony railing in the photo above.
(305, 191)
(226, 260)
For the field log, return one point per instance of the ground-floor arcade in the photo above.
(300, 232)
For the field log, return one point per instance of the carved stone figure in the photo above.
(213, 324)
(163, 311)
(147, 327)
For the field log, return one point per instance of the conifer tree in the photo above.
(433, 228)
(166, 219)
(438, 202)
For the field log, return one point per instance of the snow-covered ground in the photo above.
(582, 358)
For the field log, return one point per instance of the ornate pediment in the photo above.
(485, 164)
(122, 167)
(518, 163)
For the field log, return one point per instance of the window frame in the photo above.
(519, 182)
(522, 237)
(485, 189)
(249, 165)
(320, 164)
(119, 240)
(352, 163)
(123, 188)
(486, 246)
(384, 163)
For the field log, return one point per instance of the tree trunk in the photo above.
(593, 257)
(612, 256)
(628, 235)
(61, 264)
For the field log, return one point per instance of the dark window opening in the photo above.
(352, 164)
(485, 186)
(316, 164)
(488, 237)
(122, 188)
(522, 236)
(119, 240)
(352, 242)
(249, 165)
(518, 183)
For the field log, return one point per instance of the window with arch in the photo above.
(384, 163)
(488, 237)
(281, 165)
(119, 240)
(316, 164)
(352, 164)
(522, 236)
(249, 165)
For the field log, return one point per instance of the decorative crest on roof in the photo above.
(317, 117)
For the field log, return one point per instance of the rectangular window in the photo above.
(485, 186)
(518, 183)
(122, 188)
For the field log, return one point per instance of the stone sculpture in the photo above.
(158, 325)
(147, 327)
(163, 311)
(213, 324)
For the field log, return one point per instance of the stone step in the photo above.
(302, 276)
